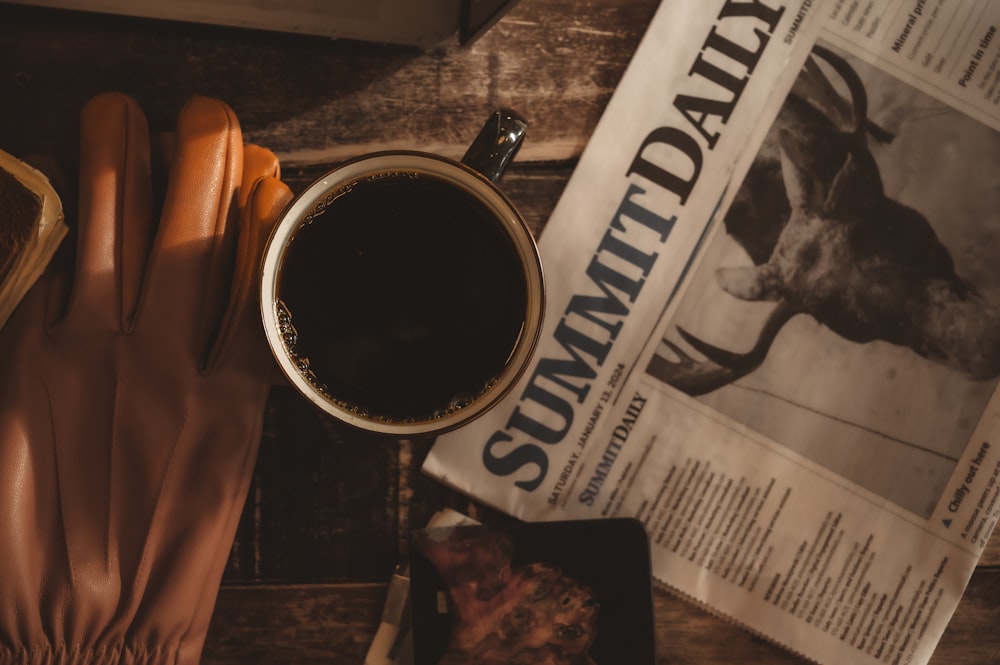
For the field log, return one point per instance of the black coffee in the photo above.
(405, 295)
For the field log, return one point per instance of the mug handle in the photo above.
(497, 143)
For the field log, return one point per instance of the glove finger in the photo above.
(192, 253)
(115, 213)
(258, 163)
(267, 198)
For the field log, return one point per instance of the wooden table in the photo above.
(329, 509)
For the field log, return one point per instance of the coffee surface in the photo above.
(406, 295)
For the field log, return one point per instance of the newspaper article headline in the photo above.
(669, 158)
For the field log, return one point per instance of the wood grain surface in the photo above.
(329, 509)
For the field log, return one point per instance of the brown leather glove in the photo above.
(132, 395)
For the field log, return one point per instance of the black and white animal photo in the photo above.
(849, 307)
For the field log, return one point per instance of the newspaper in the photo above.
(772, 331)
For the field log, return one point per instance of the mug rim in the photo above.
(455, 173)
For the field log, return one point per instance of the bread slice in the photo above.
(31, 228)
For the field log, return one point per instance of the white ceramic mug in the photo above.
(402, 293)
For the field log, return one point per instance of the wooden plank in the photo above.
(329, 624)
(316, 509)
(991, 555)
(328, 504)
(334, 624)
(314, 100)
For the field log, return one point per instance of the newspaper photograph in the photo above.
(773, 332)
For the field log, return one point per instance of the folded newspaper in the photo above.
(773, 333)
(31, 228)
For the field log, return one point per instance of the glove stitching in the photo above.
(224, 214)
(239, 285)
